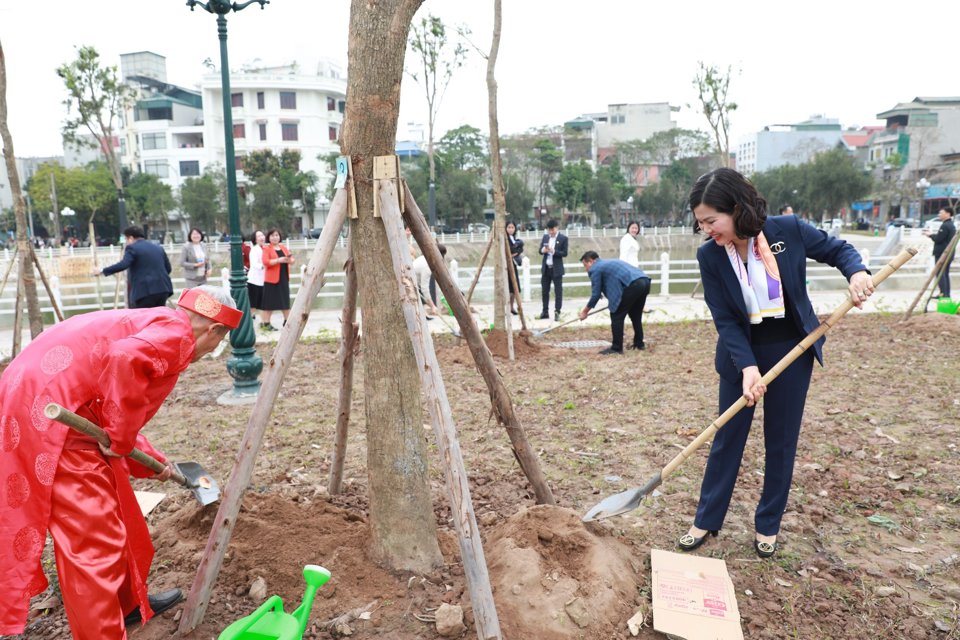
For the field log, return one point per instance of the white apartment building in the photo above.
(783, 144)
(280, 107)
(623, 122)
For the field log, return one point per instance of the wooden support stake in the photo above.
(116, 291)
(350, 189)
(499, 395)
(349, 330)
(18, 316)
(46, 285)
(212, 559)
(441, 417)
(387, 168)
(96, 265)
(13, 259)
(476, 276)
(516, 285)
(933, 277)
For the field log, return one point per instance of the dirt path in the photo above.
(880, 439)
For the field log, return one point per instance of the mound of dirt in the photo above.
(934, 323)
(553, 579)
(523, 344)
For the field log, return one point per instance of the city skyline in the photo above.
(557, 61)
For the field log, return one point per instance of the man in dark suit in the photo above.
(553, 246)
(940, 242)
(149, 279)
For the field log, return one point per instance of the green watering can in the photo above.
(270, 622)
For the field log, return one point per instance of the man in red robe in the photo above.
(114, 368)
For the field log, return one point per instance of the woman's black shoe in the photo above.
(688, 543)
(765, 549)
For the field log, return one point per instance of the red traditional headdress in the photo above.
(199, 302)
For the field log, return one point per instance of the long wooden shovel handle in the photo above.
(64, 416)
(785, 362)
(563, 324)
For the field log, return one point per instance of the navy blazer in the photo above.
(559, 253)
(149, 269)
(796, 241)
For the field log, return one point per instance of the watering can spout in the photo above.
(315, 576)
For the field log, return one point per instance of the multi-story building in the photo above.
(593, 136)
(783, 144)
(280, 107)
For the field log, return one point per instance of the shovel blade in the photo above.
(205, 488)
(622, 502)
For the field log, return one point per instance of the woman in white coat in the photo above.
(630, 246)
(256, 272)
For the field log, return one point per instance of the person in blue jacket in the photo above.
(753, 270)
(149, 279)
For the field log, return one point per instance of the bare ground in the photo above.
(880, 438)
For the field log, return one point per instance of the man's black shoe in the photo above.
(544, 316)
(556, 316)
(639, 347)
(610, 351)
(159, 603)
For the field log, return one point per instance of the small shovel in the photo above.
(630, 499)
(537, 334)
(189, 474)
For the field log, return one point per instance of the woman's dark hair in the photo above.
(190, 235)
(631, 223)
(272, 231)
(508, 223)
(133, 232)
(728, 191)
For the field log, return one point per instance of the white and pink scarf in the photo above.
(759, 280)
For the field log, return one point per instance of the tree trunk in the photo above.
(402, 523)
(26, 274)
(501, 293)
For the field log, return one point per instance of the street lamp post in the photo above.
(922, 185)
(244, 365)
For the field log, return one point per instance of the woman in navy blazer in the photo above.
(743, 245)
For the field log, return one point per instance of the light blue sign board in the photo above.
(942, 191)
(341, 172)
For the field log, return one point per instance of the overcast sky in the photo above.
(845, 59)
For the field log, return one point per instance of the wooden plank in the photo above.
(386, 168)
(349, 330)
(348, 186)
(213, 554)
(499, 395)
(441, 418)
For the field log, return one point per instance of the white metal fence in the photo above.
(667, 275)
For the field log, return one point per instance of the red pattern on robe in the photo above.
(114, 367)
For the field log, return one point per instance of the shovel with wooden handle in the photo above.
(190, 474)
(630, 499)
(537, 334)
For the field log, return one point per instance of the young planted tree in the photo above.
(437, 59)
(96, 97)
(713, 85)
(402, 524)
(24, 248)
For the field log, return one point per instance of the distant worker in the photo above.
(941, 240)
(149, 282)
(626, 288)
(786, 210)
(553, 246)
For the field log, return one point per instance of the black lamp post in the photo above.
(244, 364)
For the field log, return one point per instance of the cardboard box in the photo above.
(148, 500)
(693, 597)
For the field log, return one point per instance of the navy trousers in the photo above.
(782, 412)
(944, 283)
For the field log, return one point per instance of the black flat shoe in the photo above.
(159, 603)
(688, 543)
(543, 316)
(609, 351)
(765, 549)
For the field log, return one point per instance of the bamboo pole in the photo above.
(96, 265)
(348, 345)
(499, 395)
(933, 277)
(516, 286)
(17, 317)
(46, 285)
(212, 559)
(441, 417)
(6, 275)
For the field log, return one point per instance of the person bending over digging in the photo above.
(114, 368)
(753, 270)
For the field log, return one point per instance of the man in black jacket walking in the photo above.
(941, 240)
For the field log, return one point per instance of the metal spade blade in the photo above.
(205, 488)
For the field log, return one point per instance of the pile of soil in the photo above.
(523, 344)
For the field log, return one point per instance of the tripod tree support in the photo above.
(213, 554)
(499, 395)
(349, 344)
(441, 417)
(933, 277)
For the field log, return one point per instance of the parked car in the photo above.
(932, 225)
(903, 222)
(478, 227)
